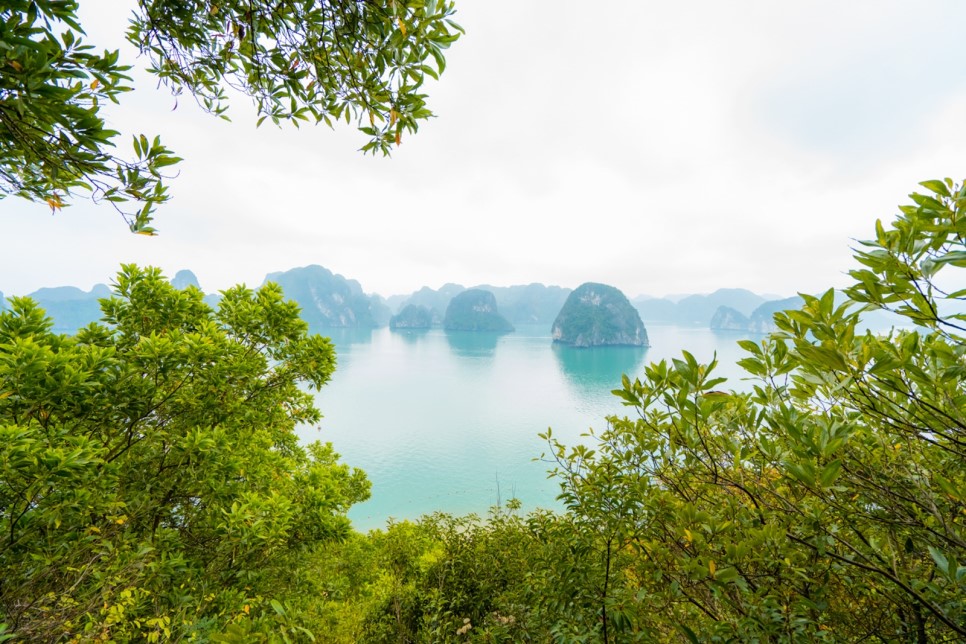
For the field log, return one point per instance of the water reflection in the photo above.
(727, 337)
(473, 344)
(343, 336)
(454, 414)
(410, 336)
(594, 369)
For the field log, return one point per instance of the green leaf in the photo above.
(803, 472)
(830, 472)
(688, 633)
(726, 575)
(956, 258)
(937, 187)
(941, 563)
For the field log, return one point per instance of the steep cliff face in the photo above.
(598, 315)
(475, 310)
(414, 316)
(728, 319)
(185, 278)
(436, 301)
(327, 300)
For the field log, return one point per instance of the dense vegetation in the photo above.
(151, 486)
(597, 315)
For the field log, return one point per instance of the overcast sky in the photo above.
(658, 147)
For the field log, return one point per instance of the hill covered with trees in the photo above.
(598, 315)
(475, 310)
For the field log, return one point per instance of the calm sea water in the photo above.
(449, 421)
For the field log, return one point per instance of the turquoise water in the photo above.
(449, 421)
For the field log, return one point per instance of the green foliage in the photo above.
(315, 61)
(824, 504)
(55, 142)
(459, 579)
(827, 503)
(151, 484)
(303, 61)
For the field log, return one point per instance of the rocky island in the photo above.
(329, 300)
(760, 321)
(598, 315)
(414, 316)
(475, 310)
(729, 319)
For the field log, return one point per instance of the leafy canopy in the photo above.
(316, 61)
(151, 482)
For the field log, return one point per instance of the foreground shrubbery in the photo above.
(151, 484)
(151, 487)
(828, 503)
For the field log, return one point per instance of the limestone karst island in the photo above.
(598, 315)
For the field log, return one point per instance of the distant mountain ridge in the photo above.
(70, 293)
(696, 310)
(761, 320)
(69, 307)
(533, 303)
(433, 300)
(329, 300)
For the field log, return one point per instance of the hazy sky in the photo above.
(658, 147)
